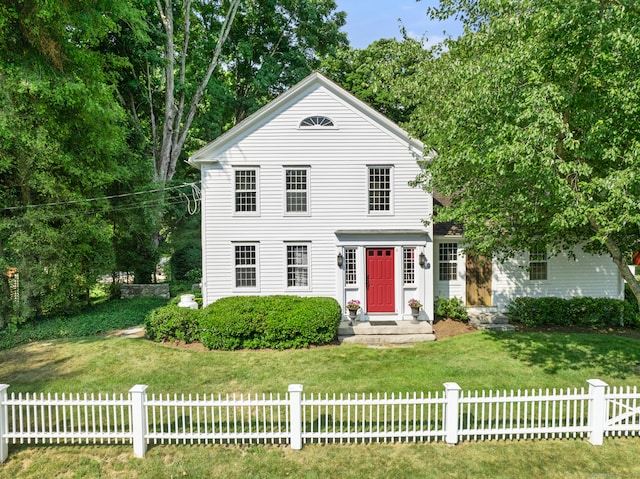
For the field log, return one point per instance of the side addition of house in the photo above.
(310, 196)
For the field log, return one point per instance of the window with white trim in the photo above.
(350, 272)
(316, 121)
(448, 261)
(538, 264)
(296, 190)
(297, 266)
(379, 189)
(246, 266)
(409, 265)
(246, 190)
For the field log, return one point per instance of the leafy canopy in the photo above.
(534, 114)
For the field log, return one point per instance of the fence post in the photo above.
(139, 419)
(452, 395)
(295, 415)
(4, 423)
(598, 411)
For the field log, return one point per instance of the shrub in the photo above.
(173, 323)
(451, 308)
(269, 322)
(579, 311)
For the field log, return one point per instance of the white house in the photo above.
(310, 196)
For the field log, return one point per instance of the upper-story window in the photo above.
(538, 264)
(379, 189)
(297, 190)
(448, 261)
(246, 190)
(316, 121)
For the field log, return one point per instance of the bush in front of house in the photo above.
(173, 323)
(277, 322)
(578, 311)
(451, 308)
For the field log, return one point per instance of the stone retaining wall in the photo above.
(137, 290)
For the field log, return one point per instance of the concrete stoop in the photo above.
(385, 332)
(490, 320)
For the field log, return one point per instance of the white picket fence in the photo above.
(295, 419)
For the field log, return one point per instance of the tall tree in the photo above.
(62, 141)
(535, 117)
(384, 75)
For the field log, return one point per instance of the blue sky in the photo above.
(370, 20)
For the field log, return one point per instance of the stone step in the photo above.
(495, 327)
(371, 328)
(387, 338)
(488, 318)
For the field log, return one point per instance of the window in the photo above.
(379, 188)
(316, 121)
(350, 266)
(246, 266)
(246, 190)
(296, 190)
(448, 261)
(409, 265)
(537, 264)
(297, 266)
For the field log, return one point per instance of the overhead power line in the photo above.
(194, 188)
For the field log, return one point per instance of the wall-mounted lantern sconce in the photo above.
(422, 259)
(340, 260)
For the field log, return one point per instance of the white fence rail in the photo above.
(452, 415)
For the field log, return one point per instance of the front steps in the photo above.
(489, 319)
(372, 332)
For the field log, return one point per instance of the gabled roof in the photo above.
(311, 82)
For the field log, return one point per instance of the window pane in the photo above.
(350, 265)
(409, 265)
(448, 261)
(380, 189)
(297, 265)
(245, 265)
(538, 264)
(246, 190)
(296, 191)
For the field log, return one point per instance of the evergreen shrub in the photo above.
(277, 322)
(578, 311)
(451, 308)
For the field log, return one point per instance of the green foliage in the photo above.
(383, 75)
(533, 114)
(451, 308)
(270, 322)
(171, 322)
(106, 316)
(578, 311)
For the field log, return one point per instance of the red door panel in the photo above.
(380, 280)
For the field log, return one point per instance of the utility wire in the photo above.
(87, 200)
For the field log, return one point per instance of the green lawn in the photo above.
(475, 361)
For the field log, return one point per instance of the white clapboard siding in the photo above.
(338, 160)
(584, 275)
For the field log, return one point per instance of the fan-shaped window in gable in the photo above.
(316, 121)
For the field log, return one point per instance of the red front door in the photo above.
(380, 285)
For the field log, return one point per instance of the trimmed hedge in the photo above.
(173, 323)
(278, 322)
(579, 311)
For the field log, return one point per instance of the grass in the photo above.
(475, 361)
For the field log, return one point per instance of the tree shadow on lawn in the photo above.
(609, 355)
(33, 366)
